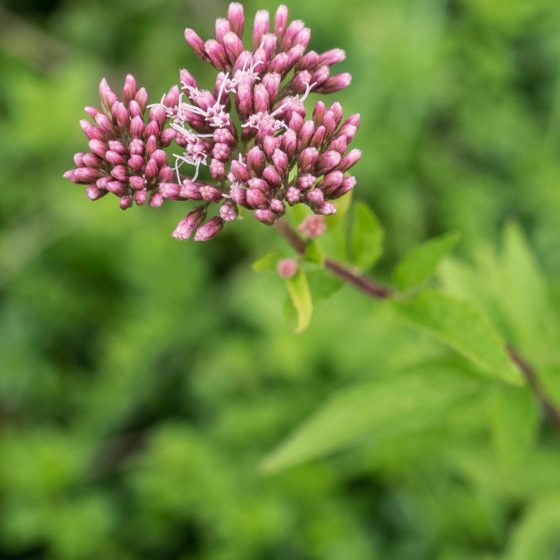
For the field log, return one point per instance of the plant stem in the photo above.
(345, 273)
(377, 291)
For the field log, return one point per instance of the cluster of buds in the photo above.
(126, 156)
(266, 157)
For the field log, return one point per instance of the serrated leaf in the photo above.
(301, 299)
(464, 328)
(367, 237)
(267, 263)
(394, 404)
(514, 420)
(421, 262)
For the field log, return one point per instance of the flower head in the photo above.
(250, 135)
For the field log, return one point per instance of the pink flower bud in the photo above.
(190, 223)
(152, 129)
(270, 144)
(91, 160)
(217, 169)
(210, 193)
(216, 53)
(209, 229)
(114, 158)
(167, 136)
(347, 185)
(302, 39)
(137, 127)
(129, 89)
(120, 173)
(339, 144)
(196, 43)
(104, 123)
(313, 226)
(260, 27)
(136, 147)
(287, 268)
(120, 114)
(329, 123)
(269, 44)
(277, 206)
(116, 187)
(333, 56)
(92, 132)
(280, 161)
(261, 99)
(190, 190)
(137, 182)
(293, 196)
(271, 176)
(300, 82)
(318, 137)
(79, 159)
(236, 18)
(291, 33)
(85, 175)
(134, 109)
(221, 27)
(106, 94)
(326, 209)
(331, 182)
(267, 217)
(296, 122)
(335, 83)
(315, 197)
(228, 211)
(281, 20)
(165, 174)
(94, 193)
(288, 143)
(238, 195)
(240, 171)
(169, 190)
(92, 111)
(98, 147)
(305, 134)
(327, 161)
(349, 160)
(256, 198)
(255, 160)
(233, 46)
(140, 197)
(308, 61)
(305, 182)
(279, 63)
(156, 200)
(125, 202)
(308, 158)
(142, 98)
(151, 170)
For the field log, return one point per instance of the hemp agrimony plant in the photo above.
(248, 145)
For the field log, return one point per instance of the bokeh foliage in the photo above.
(142, 380)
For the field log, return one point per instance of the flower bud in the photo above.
(260, 27)
(190, 223)
(255, 160)
(313, 226)
(196, 43)
(266, 216)
(228, 211)
(209, 229)
(287, 268)
(236, 18)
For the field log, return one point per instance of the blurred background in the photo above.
(143, 379)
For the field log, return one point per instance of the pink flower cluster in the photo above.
(251, 131)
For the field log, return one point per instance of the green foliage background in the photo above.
(143, 380)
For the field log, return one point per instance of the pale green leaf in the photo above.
(514, 421)
(301, 299)
(464, 328)
(537, 535)
(267, 263)
(367, 237)
(394, 404)
(313, 253)
(421, 262)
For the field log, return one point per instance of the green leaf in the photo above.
(421, 262)
(323, 285)
(313, 253)
(537, 534)
(394, 404)
(464, 328)
(301, 299)
(267, 263)
(367, 237)
(514, 421)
